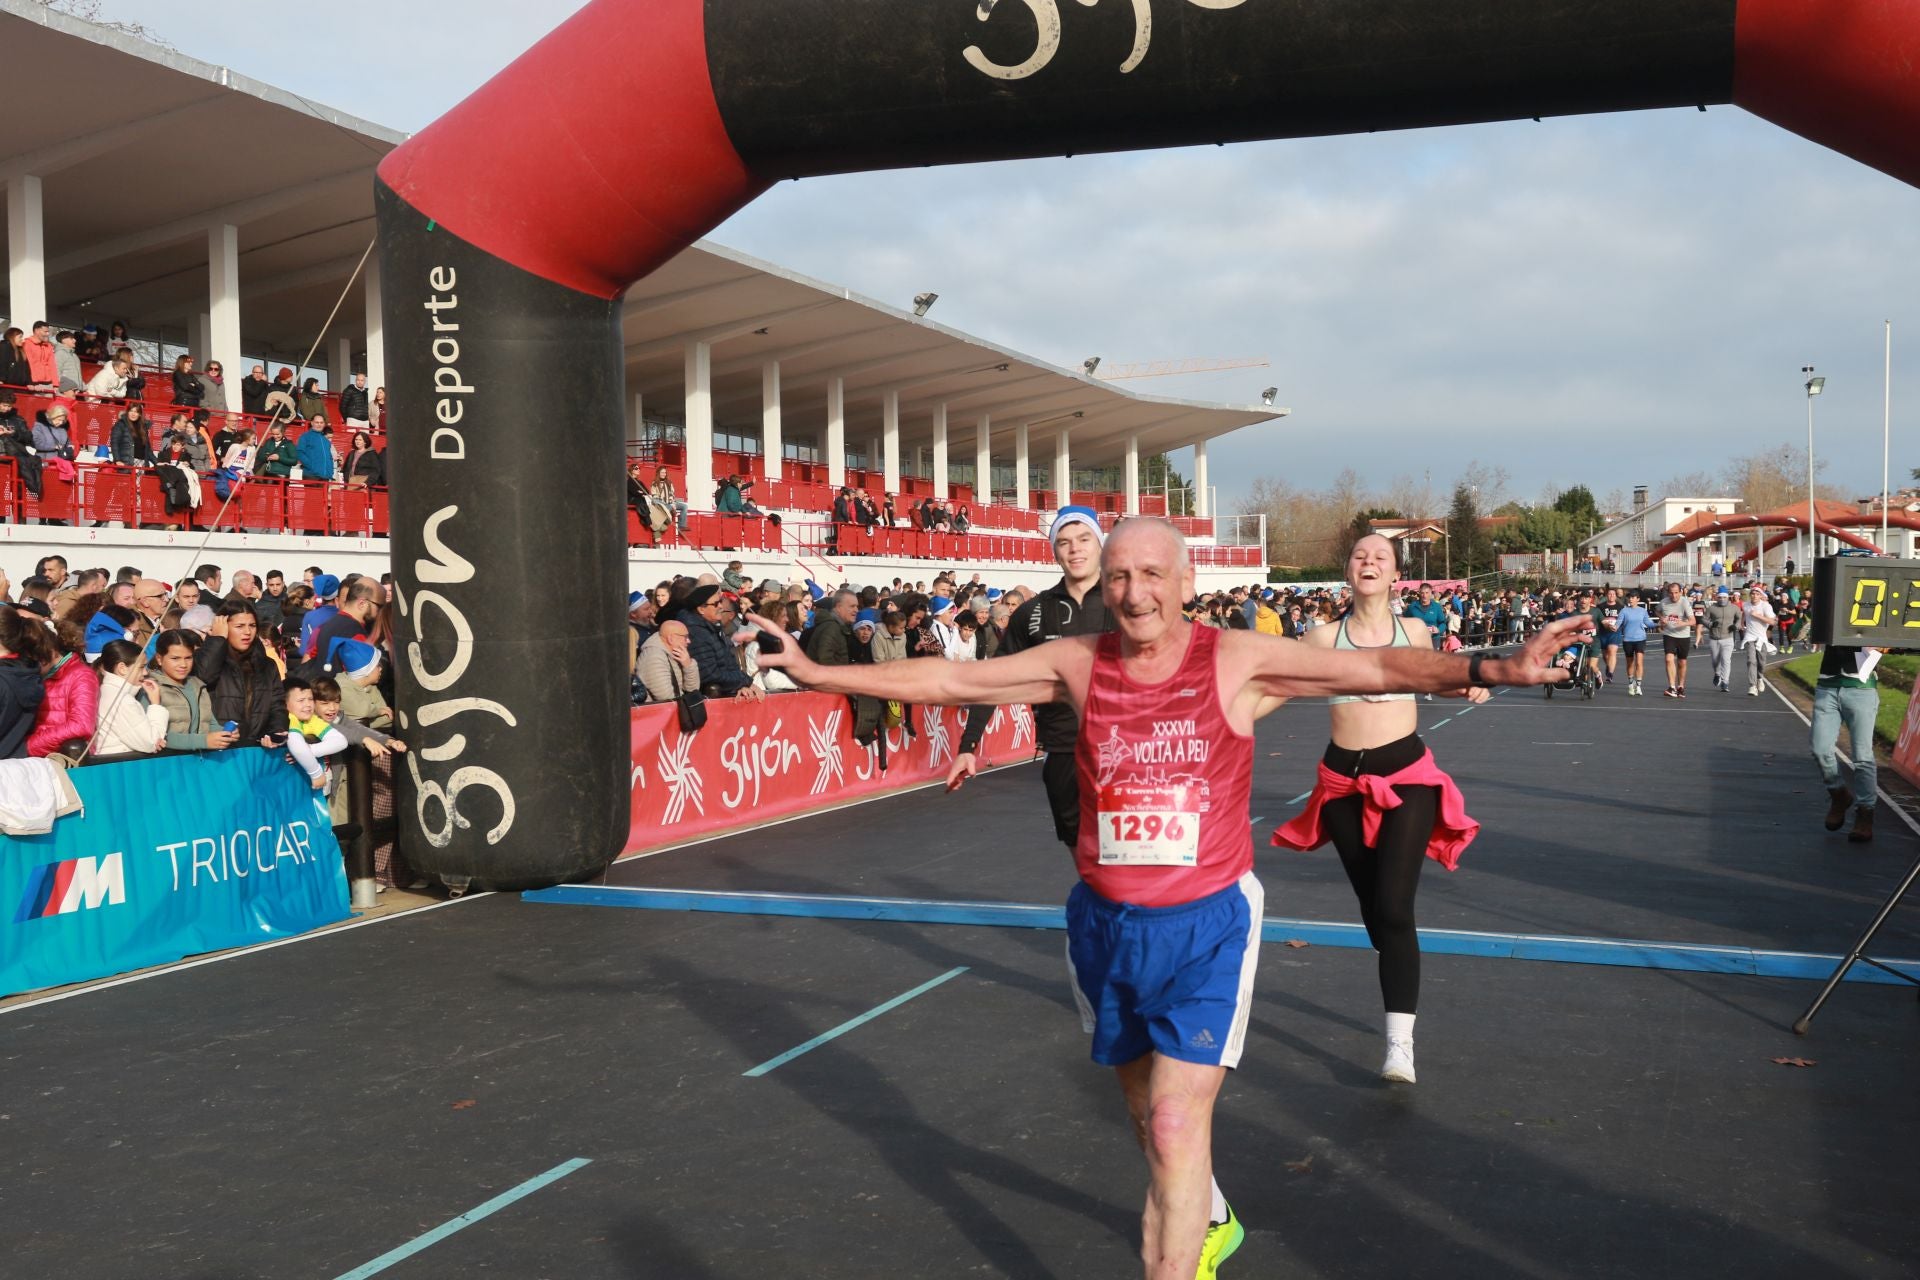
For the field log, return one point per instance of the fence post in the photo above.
(359, 850)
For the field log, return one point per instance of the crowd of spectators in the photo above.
(97, 665)
(202, 436)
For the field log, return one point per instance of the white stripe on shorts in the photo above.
(1087, 1020)
(1256, 907)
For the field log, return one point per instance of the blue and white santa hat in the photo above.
(815, 590)
(938, 605)
(355, 659)
(1067, 516)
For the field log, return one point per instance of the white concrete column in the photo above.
(1021, 494)
(636, 425)
(200, 340)
(26, 252)
(983, 459)
(699, 432)
(940, 452)
(376, 353)
(1202, 499)
(340, 368)
(1133, 475)
(1062, 470)
(836, 431)
(920, 467)
(772, 446)
(890, 438)
(223, 304)
(874, 466)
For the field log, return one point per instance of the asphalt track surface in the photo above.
(316, 1109)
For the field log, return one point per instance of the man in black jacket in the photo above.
(830, 643)
(721, 675)
(1071, 607)
(353, 403)
(253, 391)
(16, 442)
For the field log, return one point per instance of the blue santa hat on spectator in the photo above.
(101, 631)
(325, 586)
(815, 590)
(938, 605)
(866, 618)
(994, 593)
(1067, 516)
(633, 600)
(355, 659)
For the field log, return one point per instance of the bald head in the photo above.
(1156, 532)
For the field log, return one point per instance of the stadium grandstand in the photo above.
(801, 429)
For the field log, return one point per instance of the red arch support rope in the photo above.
(509, 227)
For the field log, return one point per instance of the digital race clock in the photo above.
(1871, 601)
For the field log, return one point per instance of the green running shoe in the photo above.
(1222, 1239)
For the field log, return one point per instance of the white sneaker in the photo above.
(1753, 691)
(1399, 1064)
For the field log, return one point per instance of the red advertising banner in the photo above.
(1906, 752)
(788, 754)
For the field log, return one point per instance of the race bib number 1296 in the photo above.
(1149, 826)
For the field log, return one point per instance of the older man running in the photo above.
(1163, 930)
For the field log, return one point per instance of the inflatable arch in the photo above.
(509, 228)
(1895, 520)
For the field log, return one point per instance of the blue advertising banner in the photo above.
(172, 856)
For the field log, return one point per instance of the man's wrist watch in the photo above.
(1474, 677)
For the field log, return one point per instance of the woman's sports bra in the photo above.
(1400, 641)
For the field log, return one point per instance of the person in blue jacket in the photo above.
(314, 448)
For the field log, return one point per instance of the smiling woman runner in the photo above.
(1381, 799)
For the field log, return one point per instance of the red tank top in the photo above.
(1165, 782)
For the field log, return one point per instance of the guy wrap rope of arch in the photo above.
(510, 227)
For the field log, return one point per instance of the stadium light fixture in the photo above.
(1266, 397)
(923, 302)
(1090, 364)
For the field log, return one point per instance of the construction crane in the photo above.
(1172, 368)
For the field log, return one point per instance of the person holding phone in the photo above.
(242, 681)
(190, 722)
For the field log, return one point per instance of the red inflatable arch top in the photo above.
(509, 228)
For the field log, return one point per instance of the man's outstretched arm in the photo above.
(1041, 674)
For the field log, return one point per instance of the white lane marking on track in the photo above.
(1563, 744)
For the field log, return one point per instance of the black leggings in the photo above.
(1385, 876)
(1063, 796)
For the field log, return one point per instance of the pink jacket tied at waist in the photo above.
(1453, 830)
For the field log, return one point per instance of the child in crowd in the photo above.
(310, 740)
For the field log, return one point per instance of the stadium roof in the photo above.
(141, 150)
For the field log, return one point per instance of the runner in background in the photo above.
(1676, 637)
(1723, 624)
(1611, 641)
(1634, 620)
(1756, 618)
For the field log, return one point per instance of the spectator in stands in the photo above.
(831, 641)
(1265, 619)
(314, 449)
(866, 625)
(81, 585)
(667, 668)
(131, 439)
(276, 458)
(889, 643)
(664, 495)
(118, 336)
(310, 401)
(253, 391)
(293, 613)
(356, 408)
(963, 519)
(887, 515)
(733, 579)
(721, 675)
(232, 432)
(131, 719)
(187, 388)
(22, 640)
(213, 383)
(243, 681)
(34, 593)
(50, 438)
(15, 369)
(326, 596)
(187, 594)
(363, 466)
(193, 440)
(190, 722)
(379, 406)
(150, 601)
(66, 362)
(280, 396)
(16, 442)
(731, 497)
(843, 506)
(93, 343)
(109, 381)
(865, 512)
(42, 362)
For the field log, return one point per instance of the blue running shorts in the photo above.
(1177, 980)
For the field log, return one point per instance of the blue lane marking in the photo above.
(1688, 957)
(851, 1023)
(462, 1222)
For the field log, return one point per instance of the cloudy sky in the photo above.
(1613, 299)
